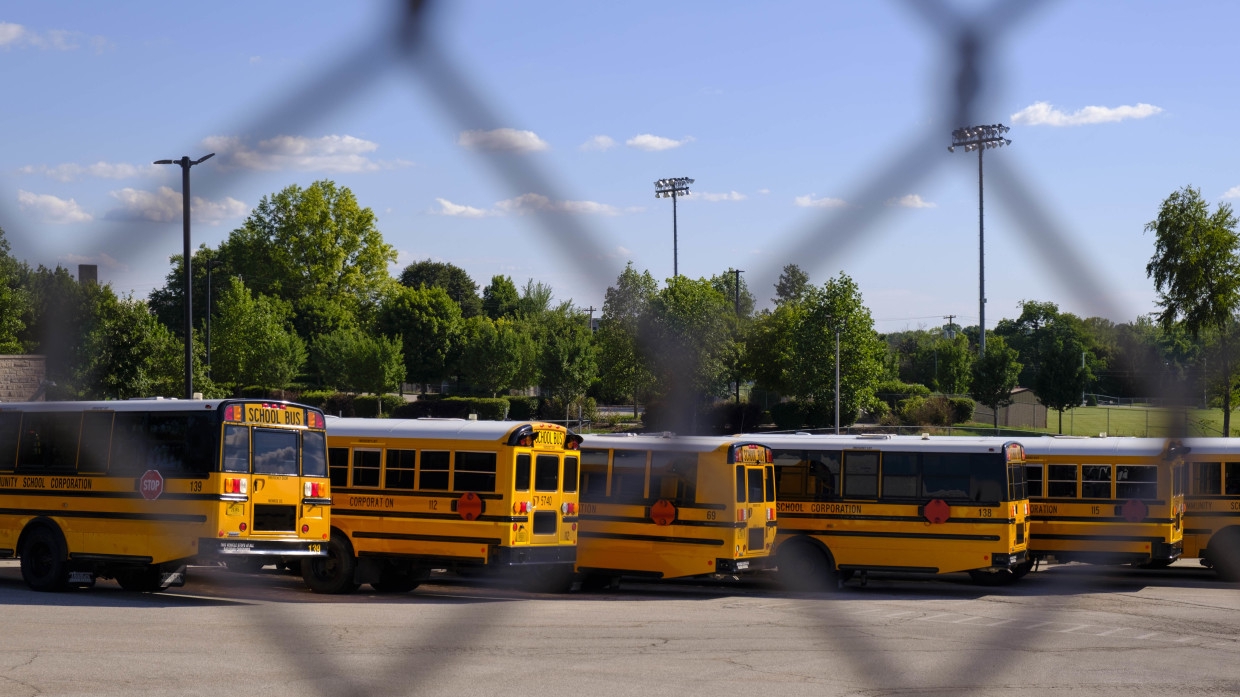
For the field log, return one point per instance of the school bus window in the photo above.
(674, 475)
(989, 477)
(433, 474)
(338, 466)
(756, 489)
(1095, 481)
(1179, 479)
(823, 471)
(275, 452)
(593, 475)
(770, 482)
(628, 476)
(10, 423)
(860, 475)
(546, 473)
(49, 441)
(1207, 478)
(128, 456)
(791, 481)
(184, 443)
(570, 474)
(1232, 485)
(946, 475)
(1033, 473)
(474, 472)
(313, 449)
(365, 467)
(1136, 482)
(523, 472)
(1017, 486)
(740, 484)
(1061, 481)
(901, 475)
(96, 440)
(400, 467)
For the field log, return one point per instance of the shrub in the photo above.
(730, 417)
(367, 405)
(339, 404)
(788, 416)
(315, 398)
(962, 409)
(522, 408)
(895, 392)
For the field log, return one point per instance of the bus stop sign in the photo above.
(151, 484)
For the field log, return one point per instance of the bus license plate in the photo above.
(235, 509)
(742, 565)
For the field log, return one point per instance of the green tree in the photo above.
(1026, 335)
(315, 248)
(60, 317)
(567, 363)
(351, 360)
(1196, 272)
(132, 354)
(14, 302)
(623, 366)
(429, 322)
(254, 341)
(1064, 373)
(792, 285)
(995, 375)
(500, 299)
(453, 279)
(726, 284)
(535, 299)
(493, 353)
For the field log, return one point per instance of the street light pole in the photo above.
(185, 164)
(671, 188)
(980, 138)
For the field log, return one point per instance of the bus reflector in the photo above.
(305, 528)
(241, 527)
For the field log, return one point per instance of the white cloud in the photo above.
(1043, 114)
(447, 207)
(18, 36)
(11, 34)
(729, 196)
(104, 170)
(764, 192)
(653, 143)
(164, 206)
(255, 60)
(1233, 192)
(812, 201)
(333, 153)
(100, 259)
(597, 144)
(911, 201)
(51, 209)
(502, 140)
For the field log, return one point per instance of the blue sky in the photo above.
(788, 116)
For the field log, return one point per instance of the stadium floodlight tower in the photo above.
(671, 188)
(185, 164)
(980, 138)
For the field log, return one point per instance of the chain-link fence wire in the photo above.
(408, 45)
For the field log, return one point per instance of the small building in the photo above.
(21, 378)
(1025, 411)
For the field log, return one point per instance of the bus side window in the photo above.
(1231, 486)
(790, 468)
(366, 467)
(128, 458)
(824, 472)
(901, 475)
(593, 475)
(628, 476)
(474, 472)
(1061, 481)
(1136, 482)
(860, 475)
(237, 449)
(96, 440)
(1095, 481)
(338, 466)
(947, 475)
(10, 423)
(1033, 475)
(1207, 478)
(400, 467)
(989, 477)
(433, 473)
(675, 475)
(49, 441)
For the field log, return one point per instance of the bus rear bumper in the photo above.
(1008, 561)
(741, 566)
(226, 547)
(526, 556)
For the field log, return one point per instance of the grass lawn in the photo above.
(1138, 421)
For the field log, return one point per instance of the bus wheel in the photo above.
(1023, 570)
(397, 580)
(1224, 554)
(985, 577)
(332, 573)
(547, 579)
(140, 579)
(594, 583)
(45, 564)
(804, 567)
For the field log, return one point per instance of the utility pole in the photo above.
(591, 310)
(671, 188)
(951, 324)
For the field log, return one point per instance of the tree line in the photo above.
(301, 298)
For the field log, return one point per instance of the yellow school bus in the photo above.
(1106, 500)
(136, 490)
(1212, 518)
(853, 504)
(412, 495)
(673, 507)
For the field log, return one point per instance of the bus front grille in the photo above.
(544, 522)
(268, 518)
(757, 539)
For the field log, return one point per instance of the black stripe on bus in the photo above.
(1100, 538)
(651, 538)
(1108, 502)
(1212, 514)
(892, 569)
(1211, 497)
(108, 515)
(410, 537)
(650, 502)
(6, 554)
(647, 521)
(416, 494)
(371, 513)
(92, 494)
(896, 518)
(1098, 519)
(114, 558)
(901, 535)
(1198, 531)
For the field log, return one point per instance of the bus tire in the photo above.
(1022, 570)
(332, 574)
(394, 579)
(806, 567)
(44, 559)
(140, 579)
(1224, 553)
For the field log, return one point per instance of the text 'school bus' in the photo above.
(1106, 500)
(1212, 519)
(851, 504)
(419, 494)
(672, 507)
(136, 490)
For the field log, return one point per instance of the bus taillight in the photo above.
(568, 508)
(521, 507)
(314, 419)
(742, 514)
(314, 490)
(235, 485)
(770, 513)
